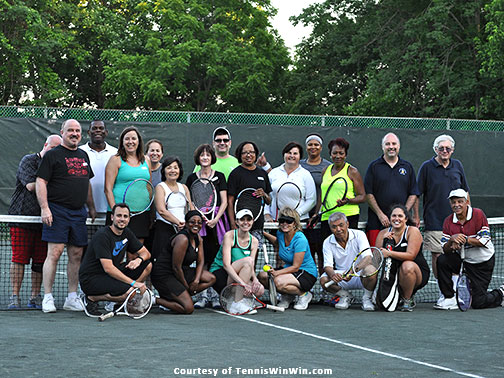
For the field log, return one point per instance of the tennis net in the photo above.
(430, 293)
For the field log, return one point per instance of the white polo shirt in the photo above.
(339, 258)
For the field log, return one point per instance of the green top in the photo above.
(237, 253)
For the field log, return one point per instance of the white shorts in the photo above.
(354, 284)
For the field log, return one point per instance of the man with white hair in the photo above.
(389, 180)
(467, 227)
(437, 177)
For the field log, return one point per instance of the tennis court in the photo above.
(319, 342)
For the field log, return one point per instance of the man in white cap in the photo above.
(222, 144)
(467, 227)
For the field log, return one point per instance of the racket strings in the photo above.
(246, 200)
(368, 263)
(289, 195)
(139, 195)
(337, 190)
(203, 196)
(234, 300)
(138, 304)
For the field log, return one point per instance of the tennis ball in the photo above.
(266, 268)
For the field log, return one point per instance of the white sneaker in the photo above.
(285, 300)
(109, 306)
(440, 299)
(73, 304)
(253, 312)
(303, 301)
(346, 299)
(447, 304)
(367, 304)
(201, 303)
(216, 303)
(48, 305)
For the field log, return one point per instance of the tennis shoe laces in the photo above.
(303, 301)
(73, 304)
(14, 303)
(90, 307)
(48, 305)
(346, 299)
(367, 304)
(35, 302)
(447, 304)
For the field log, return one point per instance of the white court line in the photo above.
(355, 346)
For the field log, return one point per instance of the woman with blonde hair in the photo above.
(299, 274)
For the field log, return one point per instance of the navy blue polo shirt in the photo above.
(436, 182)
(389, 186)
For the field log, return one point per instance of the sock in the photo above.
(72, 295)
(48, 296)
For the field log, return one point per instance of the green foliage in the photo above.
(398, 58)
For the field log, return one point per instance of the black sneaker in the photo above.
(90, 307)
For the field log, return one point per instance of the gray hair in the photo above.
(336, 217)
(386, 135)
(443, 138)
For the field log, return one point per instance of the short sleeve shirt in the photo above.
(105, 244)
(68, 173)
(298, 244)
(389, 186)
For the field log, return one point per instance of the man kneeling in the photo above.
(339, 251)
(114, 264)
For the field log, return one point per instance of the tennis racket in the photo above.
(235, 302)
(246, 199)
(272, 287)
(336, 191)
(288, 195)
(204, 196)
(139, 195)
(464, 296)
(178, 204)
(135, 306)
(366, 264)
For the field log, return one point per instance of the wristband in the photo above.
(267, 166)
(140, 257)
(133, 283)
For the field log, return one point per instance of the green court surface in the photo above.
(349, 343)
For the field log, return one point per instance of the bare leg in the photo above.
(36, 279)
(74, 260)
(181, 304)
(410, 277)
(207, 279)
(16, 276)
(54, 251)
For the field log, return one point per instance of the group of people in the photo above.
(182, 252)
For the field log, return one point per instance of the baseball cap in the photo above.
(221, 128)
(460, 193)
(240, 214)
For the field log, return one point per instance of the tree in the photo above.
(216, 55)
(405, 58)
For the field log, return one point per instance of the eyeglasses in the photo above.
(447, 149)
(248, 153)
(285, 219)
(222, 140)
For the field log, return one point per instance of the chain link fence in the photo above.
(248, 118)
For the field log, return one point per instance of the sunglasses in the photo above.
(285, 219)
(447, 149)
(222, 140)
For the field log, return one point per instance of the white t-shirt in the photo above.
(98, 161)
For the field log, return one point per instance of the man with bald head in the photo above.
(63, 188)
(389, 180)
(26, 238)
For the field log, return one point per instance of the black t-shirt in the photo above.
(219, 181)
(67, 173)
(241, 178)
(105, 244)
(164, 262)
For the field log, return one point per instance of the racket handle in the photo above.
(329, 283)
(106, 316)
(275, 308)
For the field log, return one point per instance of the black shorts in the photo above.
(221, 280)
(101, 284)
(169, 286)
(305, 279)
(139, 224)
